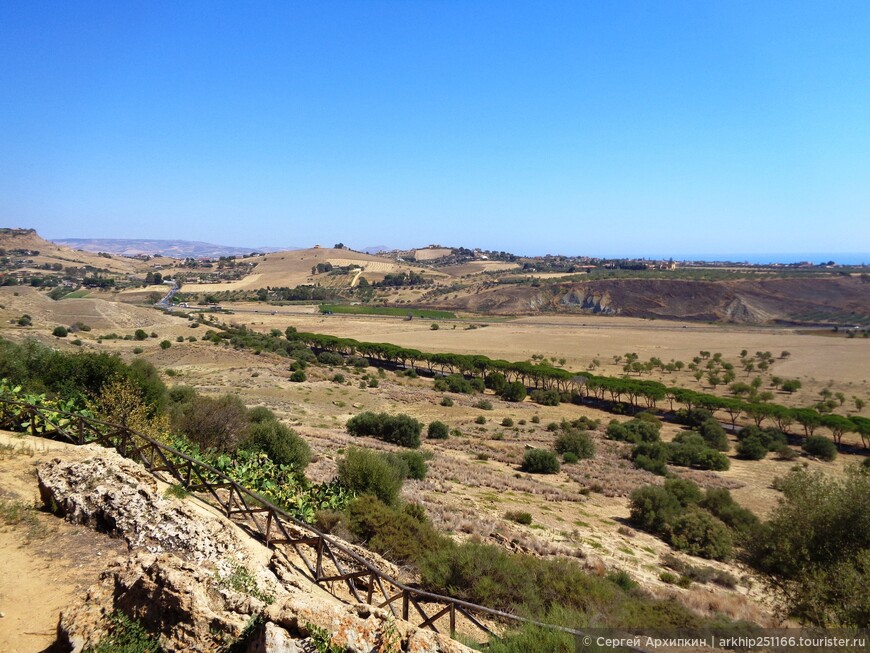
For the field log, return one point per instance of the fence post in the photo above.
(452, 618)
(405, 605)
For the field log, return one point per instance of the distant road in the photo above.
(164, 303)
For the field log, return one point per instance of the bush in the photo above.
(770, 438)
(720, 503)
(165, 344)
(684, 491)
(692, 418)
(218, 423)
(480, 419)
(398, 429)
(546, 397)
(751, 448)
(698, 533)
(820, 447)
(689, 449)
(815, 548)
(446, 402)
(507, 422)
(536, 419)
(651, 456)
(140, 334)
(634, 430)
(569, 458)
(412, 464)
(338, 378)
(330, 358)
(540, 461)
(575, 442)
(368, 472)
(515, 391)
(437, 430)
(283, 445)
(256, 415)
(523, 518)
(652, 508)
(454, 383)
(483, 404)
(298, 376)
(59, 332)
(399, 535)
(714, 435)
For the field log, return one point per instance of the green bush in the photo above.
(398, 429)
(652, 508)
(686, 492)
(689, 449)
(330, 358)
(483, 404)
(569, 458)
(125, 634)
(815, 548)
(283, 445)
(651, 456)
(338, 378)
(634, 430)
(59, 332)
(367, 472)
(540, 461)
(256, 415)
(751, 448)
(298, 376)
(399, 535)
(437, 430)
(820, 447)
(699, 533)
(412, 464)
(507, 422)
(576, 442)
(714, 435)
(446, 402)
(549, 397)
(770, 438)
(140, 335)
(519, 517)
(213, 423)
(480, 419)
(165, 344)
(515, 391)
(720, 503)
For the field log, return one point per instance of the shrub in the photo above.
(714, 435)
(575, 442)
(453, 383)
(751, 448)
(546, 397)
(651, 456)
(437, 430)
(283, 445)
(540, 461)
(820, 447)
(693, 418)
(367, 472)
(720, 503)
(412, 464)
(140, 334)
(483, 404)
(689, 449)
(330, 358)
(480, 419)
(179, 339)
(684, 491)
(398, 429)
(165, 344)
(137, 350)
(515, 391)
(536, 419)
(446, 402)
(298, 376)
(59, 332)
(569, 458)
(256, 415)
(634, 430)
(523, 518)
(698, 533)
(373, 383)
(507, 422)
(399, 535)
(338, 378)
(214, 423)
(815, 548)
(652, 508)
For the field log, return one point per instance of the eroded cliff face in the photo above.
(195, 578)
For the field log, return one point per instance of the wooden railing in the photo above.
(326, 561)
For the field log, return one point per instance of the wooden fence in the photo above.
(326, 561)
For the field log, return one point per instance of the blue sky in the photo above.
(615, 128)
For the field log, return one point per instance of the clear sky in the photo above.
(650, 128)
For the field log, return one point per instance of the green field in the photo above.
(77, 294)
(386, 310)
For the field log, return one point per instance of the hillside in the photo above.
(32, 250)
(168, 248)
(839, 299)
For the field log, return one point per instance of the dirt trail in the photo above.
(45, 562)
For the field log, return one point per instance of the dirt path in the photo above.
(44, 561)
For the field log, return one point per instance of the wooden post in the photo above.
(452, 618)
(405, 605)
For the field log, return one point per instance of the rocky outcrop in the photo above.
(196, 579)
